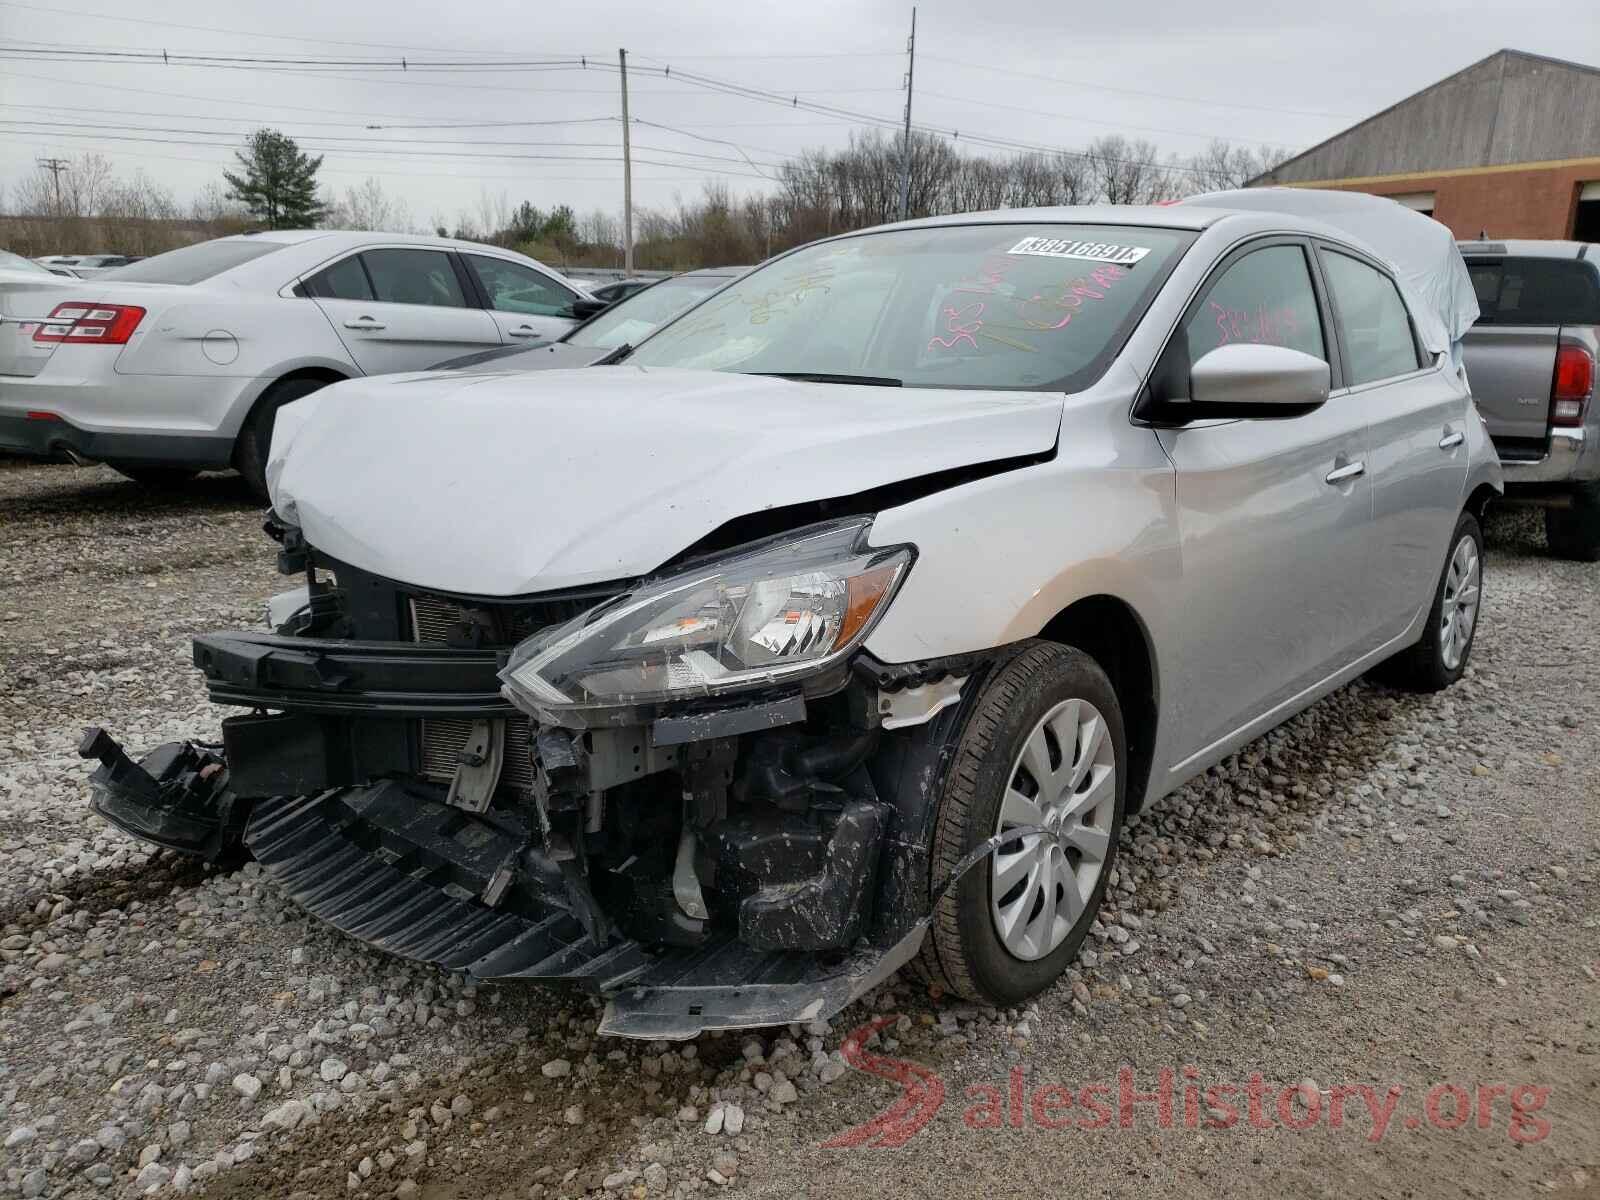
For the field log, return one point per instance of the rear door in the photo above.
(527, 305)
(1416, 418)
(1511, 351)
(401, 308)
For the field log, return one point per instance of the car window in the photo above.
(15, 262)
(632, 318)
(1264, 297)
(414, 277)
(1377, 329)
(197, 263)
(345, 280)
(1023, 306)
(1536, 291)
(514, 288)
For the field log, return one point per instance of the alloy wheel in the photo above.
(1459, 611)
(1065, 779)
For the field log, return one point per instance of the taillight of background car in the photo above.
(1574, 381)
(91, 324)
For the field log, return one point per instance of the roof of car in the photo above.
(293, 236)
(1169, 216)
(1526, 248)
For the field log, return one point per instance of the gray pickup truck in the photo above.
(1531, 363)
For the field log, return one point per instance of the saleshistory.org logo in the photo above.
(1179, 1097)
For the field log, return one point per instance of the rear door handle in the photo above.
(1451, 440)
(366, 323)
(1348, 471)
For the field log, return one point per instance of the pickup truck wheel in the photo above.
(1440, 658)
(255, 439)
(1574, 533)
(1043, 745)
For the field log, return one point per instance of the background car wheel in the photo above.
(255, 439)
(1439, 659)
(1574, 532)
(1043, 745)
(157, 477)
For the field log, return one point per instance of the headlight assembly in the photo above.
(782, 610)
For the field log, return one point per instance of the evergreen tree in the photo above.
(279, 183)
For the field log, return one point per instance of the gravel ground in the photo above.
(1390, 891)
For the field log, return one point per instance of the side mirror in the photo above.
(1251, 380)
(584, 309)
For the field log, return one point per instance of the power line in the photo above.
(366, 142)
(432, 154)
(56, 12)
(1036, 111)
(791, 100)
(1096, 85)
(412, 174)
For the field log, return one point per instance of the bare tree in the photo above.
(365, 207)
(1128, 172)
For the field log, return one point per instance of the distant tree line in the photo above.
(818, 193)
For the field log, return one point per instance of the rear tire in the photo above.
(1574, 533)
(255, 439)
(164, 479)
(1440, 658)
(1080, 791)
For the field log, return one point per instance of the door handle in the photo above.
(523, 331)
(1451, 440)
(364, 323)
(1348, 471)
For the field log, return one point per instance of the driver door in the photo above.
(1274, 515)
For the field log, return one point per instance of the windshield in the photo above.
(15, 262)
(633, 318)
(1041, 307)
(194, 264)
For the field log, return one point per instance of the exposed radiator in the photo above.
(442, 741)
(433, 618)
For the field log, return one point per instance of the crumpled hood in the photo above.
(505, 485)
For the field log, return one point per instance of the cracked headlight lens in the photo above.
(782, 609)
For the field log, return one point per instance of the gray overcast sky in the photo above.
(1284, 74)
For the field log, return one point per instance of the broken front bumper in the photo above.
(821, 870)
(410, 875)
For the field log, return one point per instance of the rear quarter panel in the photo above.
(227, 336)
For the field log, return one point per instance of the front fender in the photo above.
(997, 558)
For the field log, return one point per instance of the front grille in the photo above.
(443, 739)
(441, 620)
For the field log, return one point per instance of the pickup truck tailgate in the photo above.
(1510, 368)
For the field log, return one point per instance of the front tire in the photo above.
(1574, 533)
(1045, 745)
(1440, 658)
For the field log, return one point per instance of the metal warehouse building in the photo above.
(1508, 147)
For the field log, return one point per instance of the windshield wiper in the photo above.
(831, 377)
(616, 355)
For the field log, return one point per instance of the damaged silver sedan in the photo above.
(840, 624)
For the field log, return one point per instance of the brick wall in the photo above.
(1522, 202)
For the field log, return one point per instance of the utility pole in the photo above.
(905, 153)
(55, 166)
(627, 171)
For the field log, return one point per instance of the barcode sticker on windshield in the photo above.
(1069, 248)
